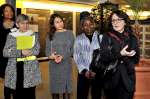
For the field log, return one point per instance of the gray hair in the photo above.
(22, 17)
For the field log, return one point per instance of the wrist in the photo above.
(84, 71)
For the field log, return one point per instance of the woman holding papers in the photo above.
(59, 44)
(22, 73)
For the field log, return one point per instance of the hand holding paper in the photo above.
(26, 52)
(58, 58)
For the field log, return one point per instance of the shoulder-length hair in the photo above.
(2, 8)
(125, 17)
(52, 28)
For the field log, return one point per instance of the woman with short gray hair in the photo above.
(22, 73)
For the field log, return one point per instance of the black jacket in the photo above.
(3, 61)
(126, 66)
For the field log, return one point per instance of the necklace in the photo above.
(8, 24)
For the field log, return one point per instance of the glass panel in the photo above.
(40, 18)
(147, 45)
(147, 36)
(141, 43)
(147, 29)
(141, 36)
(140, 51)
(77, 23)
(147, 53)
(141, 29)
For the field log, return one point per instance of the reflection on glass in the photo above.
(147, 44)
(147, 36)
(40, 18)
(147, 53)
(147, 29)
(78, 23)
(141, 29)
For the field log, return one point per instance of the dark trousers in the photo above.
(24, 93)
(3, 64)
(8, 92)
(20, 92)
(119, 92)
(84, 84)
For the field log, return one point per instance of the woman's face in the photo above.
(88, 27)
(8, 13)
(118, 24)
(23, 25)
(58, 23)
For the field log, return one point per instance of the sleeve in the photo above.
(135, 46)
(78, 58)
(10, 48)
(36, 48)
(48, 47)
(72, 43)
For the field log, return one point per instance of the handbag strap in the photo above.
(99, 42)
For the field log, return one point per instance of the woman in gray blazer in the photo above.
(22, 74)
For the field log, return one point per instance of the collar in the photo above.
(15, 32)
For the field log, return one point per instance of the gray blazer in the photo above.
(32, 75)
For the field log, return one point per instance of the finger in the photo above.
(87, 74)
(54, 53)
(93, 74)
(125, 47)
(132, 54)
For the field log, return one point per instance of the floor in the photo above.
(42, 91)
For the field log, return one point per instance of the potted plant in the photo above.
(137, 6)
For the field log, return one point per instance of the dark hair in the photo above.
(2, 8)
(52, 28)
(84, 14)
(82, 22)
(125, 17)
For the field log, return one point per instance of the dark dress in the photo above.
(121, 84)
(3, 60)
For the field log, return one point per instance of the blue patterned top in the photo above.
(83, 50)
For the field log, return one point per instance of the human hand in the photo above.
(92, 74)
(58, 58)
(87, 74)
(26, 52)
(52, 56)
(124, 52)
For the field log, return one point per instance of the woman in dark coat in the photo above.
(121, 83)
(7, 22)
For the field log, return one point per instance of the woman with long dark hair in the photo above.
(7, 22)
(120, 84)
(59, 46)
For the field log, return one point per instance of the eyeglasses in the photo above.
(116, 20)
